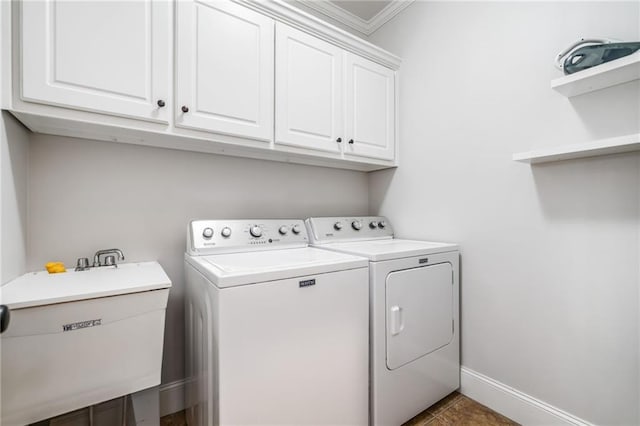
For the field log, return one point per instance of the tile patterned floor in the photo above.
(459, 410)
(455, 409)
(175, 419)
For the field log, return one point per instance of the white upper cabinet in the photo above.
(101, 56)
(309, 105)
(332, 100)
(224, 69)
(370, 109)
(259, 79)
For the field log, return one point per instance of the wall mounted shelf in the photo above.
(622, 144)
(602, 76)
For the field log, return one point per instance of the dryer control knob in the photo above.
(296, 229)
(283, 230)
(356, 224)
(255, 231)
(226, 232)
(207, 233)
(373, 224)
(337, 226)
(382, 224)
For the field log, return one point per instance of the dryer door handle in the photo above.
(397, 321)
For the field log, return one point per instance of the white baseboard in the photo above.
(172, 397)
(512, 403)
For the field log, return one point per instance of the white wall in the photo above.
(14, 148)
(550, 253)
(86, 195)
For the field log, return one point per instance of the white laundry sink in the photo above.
(79, 338)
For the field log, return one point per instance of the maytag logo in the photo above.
(81, 324)
(307, 283)
(421, 261)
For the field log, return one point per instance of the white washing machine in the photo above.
(277, 332)
(414, 289)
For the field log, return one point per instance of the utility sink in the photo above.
(79, 338)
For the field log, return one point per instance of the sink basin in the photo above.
(79, 338)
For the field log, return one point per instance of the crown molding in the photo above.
(366, 27)
(386, 14)
(297, 18)
(339, 14)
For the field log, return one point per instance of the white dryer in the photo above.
(414, 290)
(276, 331)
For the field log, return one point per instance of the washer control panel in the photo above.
(226, 236)
(331, 229)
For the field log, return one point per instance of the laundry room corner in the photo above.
(549, 253)
(372, 212)
(14, 158)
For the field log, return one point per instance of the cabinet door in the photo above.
(224, 69)
(308, 91)
(101, 56)
(370, 105)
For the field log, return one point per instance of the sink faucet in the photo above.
(96, 257)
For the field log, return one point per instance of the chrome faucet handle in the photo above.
(96, 257)
(110, 261)
(82, 264)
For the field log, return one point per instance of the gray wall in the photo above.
(550, 255)
(86, 195)
(14, 151)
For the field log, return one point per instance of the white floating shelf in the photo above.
(599, 77)
(617, 145)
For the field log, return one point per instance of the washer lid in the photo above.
(228, 270)
(378, 250)
(43, 288)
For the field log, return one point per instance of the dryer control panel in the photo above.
(348, 228)
(229, 236)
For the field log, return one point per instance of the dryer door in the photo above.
(419, 305)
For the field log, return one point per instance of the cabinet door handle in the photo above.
(161, 103)
(184, 108)
(339, 140)
(5, 316)
(351, 141)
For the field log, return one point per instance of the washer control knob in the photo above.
(255, 231)
(337, 226)
(382, 224)
(296, 229)
(283, 230)
(226, 232)
(373, 224)
(356, 224)
(207, 233)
